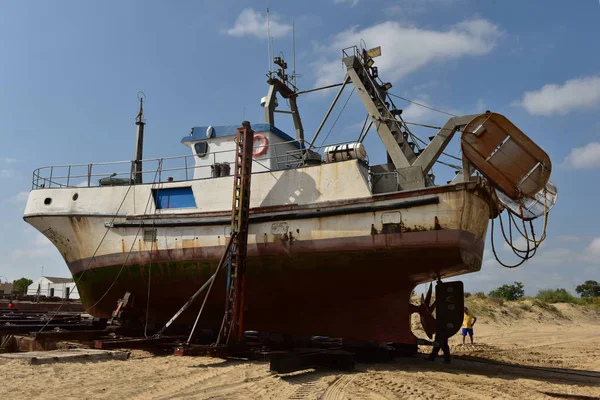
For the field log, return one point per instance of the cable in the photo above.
(148, 297)
(338, 117)
(404, 123)
(363, 128)
(151, 258)
(205, 299)
(421, 105)
(130, 249)
(92, 258)
(527, 254)
(364, 135)
(449, 165)
(425, 143)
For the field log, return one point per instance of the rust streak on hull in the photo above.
(300, 287)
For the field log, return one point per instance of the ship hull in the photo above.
(336, 262)
(359, 291)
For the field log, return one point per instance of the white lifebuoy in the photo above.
(260, 148)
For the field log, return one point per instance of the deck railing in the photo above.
(165, 169)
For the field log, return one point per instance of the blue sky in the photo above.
(70, 71)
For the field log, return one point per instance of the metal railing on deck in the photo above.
(179, 168)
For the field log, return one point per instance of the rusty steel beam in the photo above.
(34, 321)
(135, 343)
(36, 327)
(221, 351)
(69, 335)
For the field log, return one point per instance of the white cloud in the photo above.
(419, 46)
(41, 240)
(561, 99)
(519, 244)
(416, 113)
(413, 7)
(21, 197)
(569, 238)
(351, 3)
(34, 252)
(8, 160)
(587, 156)
(252, 23)
(593, 248)
(480, 106)
(7, 173)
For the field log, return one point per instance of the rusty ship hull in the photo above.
(289, 291)
(340, 262)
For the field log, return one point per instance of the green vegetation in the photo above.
(509, 292)
(557, 296)
(588, 290)
(510, 301)
(20, 285)
(548, 307)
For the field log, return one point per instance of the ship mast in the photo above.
(139, 140)
(279, 82)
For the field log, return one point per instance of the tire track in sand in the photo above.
(336, 389)
(234, 384)
(171, 387)
(309, 385)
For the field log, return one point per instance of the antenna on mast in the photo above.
(136, 171)
(269, 52)
(295, 76)
(294, 53)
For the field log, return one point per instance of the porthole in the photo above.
(75, 196)
(47, 201)
(201, 149)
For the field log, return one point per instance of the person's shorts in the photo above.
(467, 330)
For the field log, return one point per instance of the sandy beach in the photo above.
(533, 354)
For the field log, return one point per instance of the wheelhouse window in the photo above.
(182, 197)
(201, 148)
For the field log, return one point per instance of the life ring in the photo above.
(260, 148)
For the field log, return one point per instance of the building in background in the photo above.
(50, 286)
(6, 288)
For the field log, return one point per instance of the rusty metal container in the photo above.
(215, 170)
(505, 155)
(225, 169)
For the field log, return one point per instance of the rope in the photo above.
(363, 129)
(449, 165)
(425, 143)
(364, 135)
(126, 259)
(91, 259)
(148, 297)
(531, 251)
(338, 117)
(151, 260)
(206, 298)
(421, 105)
(129, 252)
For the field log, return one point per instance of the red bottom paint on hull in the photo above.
(351, 293)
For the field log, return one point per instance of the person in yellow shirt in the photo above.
(467, 326)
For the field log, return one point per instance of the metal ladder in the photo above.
(373, 95)
(233, 320)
